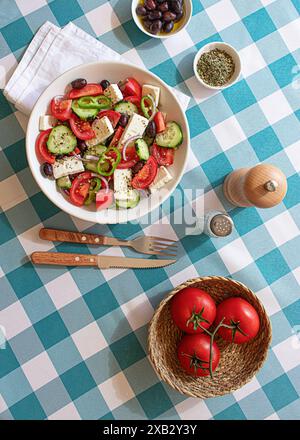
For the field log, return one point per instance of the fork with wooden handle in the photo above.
(145, 245)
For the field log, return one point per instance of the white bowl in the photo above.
(185, 22)
(114, 72)
(231, 51)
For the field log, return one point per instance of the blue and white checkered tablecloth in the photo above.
(76, 339)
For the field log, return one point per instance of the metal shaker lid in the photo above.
(221, 225)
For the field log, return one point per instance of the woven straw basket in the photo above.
(238, 363)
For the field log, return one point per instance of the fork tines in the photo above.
(163, 246)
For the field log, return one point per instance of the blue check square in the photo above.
(217, 168)
(265, 143)
(66, 11)
(234, 412)
(51, 330)
(259, 24)
(24, 280)
(17, 34)
(280, 392)
(269, 262)
(28, 408)
(101, 301)
(154, 401)
(127, 350)
(168, 72)
(282, 70)
(78, 380)
(239, 96)
(197, 121)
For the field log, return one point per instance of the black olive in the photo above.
(123, 120)
(163, 7)
(137, 167)
(176, 6)
(168, 27)
(47, 169)
(81, 145)
(104, 84)
(147, 23)
(141, 11)
(154, 15)
(151, 129)
(150, 5)
(169, 16)
(156, 26)
(178, 17)
(79, 83)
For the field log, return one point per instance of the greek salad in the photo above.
(107, 144)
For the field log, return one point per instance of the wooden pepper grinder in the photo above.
(262, 186)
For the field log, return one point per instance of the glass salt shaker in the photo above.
(214, 224)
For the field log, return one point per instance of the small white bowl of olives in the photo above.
(161, 18)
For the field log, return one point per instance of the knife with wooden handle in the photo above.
(103, 262)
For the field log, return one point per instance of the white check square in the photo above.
(39, 371)
(290, 33)
(269, 300)
(31, 242)
(138, 311)
(247, 389)
(292, 153)
(183, 275)
(3, 406)
(116, 391)
(282, 228)
(275, 107)
(235, 256)
(102, 19)
(63, 290)
(11, 192)
(89, 340)
(14, 319)
(68, 412)
(229, 133)
(178, 43)
(193, 409)
(288, 351)
(223, 14)
(28, 6)
(252, 60)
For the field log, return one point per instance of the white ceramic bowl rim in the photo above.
(64, 204)
(188, 17)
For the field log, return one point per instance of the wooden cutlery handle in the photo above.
(71, 237)
(62, 259)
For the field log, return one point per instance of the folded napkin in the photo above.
(52, 52)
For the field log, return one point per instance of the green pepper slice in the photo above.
(99, 102)
(147, 111)
(109, 161)
(94, 188)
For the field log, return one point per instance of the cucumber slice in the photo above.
(61, 140)
(172, 137)
(142, 149)
(126, 107)
(131, 202)
(84, 113)
(64, 182)
(91, 165)
(96, 150)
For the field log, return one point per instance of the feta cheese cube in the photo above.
(122, 183)
(66, 166)
(136, 127)
(153, 91)
(103, 129)
(114, 93)
(163, 176)
(46, 122)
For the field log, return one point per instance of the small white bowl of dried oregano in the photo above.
(217, 65)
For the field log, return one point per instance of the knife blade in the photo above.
(103, 262)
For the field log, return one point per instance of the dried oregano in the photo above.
(215, 67)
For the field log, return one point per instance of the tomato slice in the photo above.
(131, 158)
(131, 87)
(81, 129)
(80, 188)
(164, 156)
(135, 99)
(117, 137)
(42, 152)
(146, 175)
(112, 115)
(88, 90)
(159, 122)
(104, 199)
(61, 108)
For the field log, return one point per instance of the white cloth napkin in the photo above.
(52, 52)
